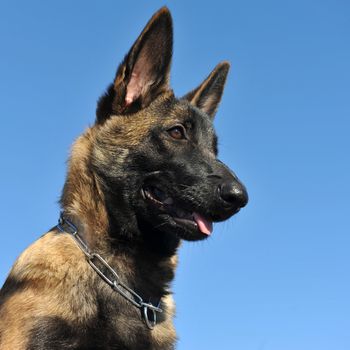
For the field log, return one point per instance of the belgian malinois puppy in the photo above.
(144, 177)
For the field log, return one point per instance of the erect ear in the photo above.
(207, 95)
(144, 73)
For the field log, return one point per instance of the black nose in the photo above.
(234, 193)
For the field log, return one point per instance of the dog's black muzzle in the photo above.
(196, 193)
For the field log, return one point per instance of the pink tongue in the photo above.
(204, 225)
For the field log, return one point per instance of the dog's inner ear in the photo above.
(144, 73)
(207, 95)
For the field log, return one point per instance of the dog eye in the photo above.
(177, 132)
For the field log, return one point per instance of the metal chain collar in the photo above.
(149, 311)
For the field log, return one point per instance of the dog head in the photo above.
(156, 155)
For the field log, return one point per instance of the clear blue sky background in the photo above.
(275, 277)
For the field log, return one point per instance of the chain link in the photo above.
(149, 311)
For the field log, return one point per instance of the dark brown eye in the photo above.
(177, 132)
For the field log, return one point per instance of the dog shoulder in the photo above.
(44, 283)
(48, 259)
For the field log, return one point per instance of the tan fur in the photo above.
(164, 333)
(54, 267)
(85, 198)
(55, 273)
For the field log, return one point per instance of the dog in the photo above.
(143, 178)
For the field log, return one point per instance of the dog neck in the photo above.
(84, 203)
(82, 200)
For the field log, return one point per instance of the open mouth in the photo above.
(182, 217)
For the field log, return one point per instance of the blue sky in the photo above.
(275, 277)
